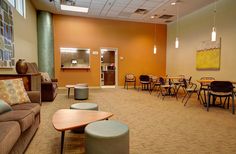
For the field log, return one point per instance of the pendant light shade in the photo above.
(155, 49)
(177, 27)
(176, 42)
(213, 34)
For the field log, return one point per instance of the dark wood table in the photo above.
(68, 119)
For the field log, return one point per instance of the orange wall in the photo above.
(134, 42)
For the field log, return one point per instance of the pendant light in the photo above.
(213, 33)
(155, 33)
(155, 48)
(177, 28)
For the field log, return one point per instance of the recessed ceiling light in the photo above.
(173, 3)
(152, 17)
(74, 8)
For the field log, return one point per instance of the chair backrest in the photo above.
(181, 78)
(161, 80)
(144, 78)
(206, 78)
(154, 78)
(221, 86)
(129, 77)
(185, 83)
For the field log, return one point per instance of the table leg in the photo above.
(62, 141)
(68, 92)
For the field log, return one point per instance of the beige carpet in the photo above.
(156, 126)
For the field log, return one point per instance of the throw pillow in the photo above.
(4, 107)
(13, 91)
(45, 77)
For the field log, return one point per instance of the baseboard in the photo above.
(93, 87)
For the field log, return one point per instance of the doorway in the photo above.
(108, 69)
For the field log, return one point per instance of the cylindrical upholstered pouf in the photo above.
(84, 106)
(106, 137)
(81, 92)
(81, 85)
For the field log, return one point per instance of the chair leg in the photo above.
(208, 102)
(184, 97)
(233, 112)
(190, 94)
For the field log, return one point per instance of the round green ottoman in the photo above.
(81, 92)
(106, 137)
(84, 106)
(81, 85)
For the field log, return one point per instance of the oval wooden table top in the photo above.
(67, 119)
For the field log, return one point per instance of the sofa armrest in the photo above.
(35, 96)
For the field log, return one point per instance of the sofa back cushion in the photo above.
(4, 107)
(45, 77)
(32, 68)
(13, 91)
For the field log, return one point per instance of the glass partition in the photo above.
(75, 58)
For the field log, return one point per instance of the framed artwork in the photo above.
(208, 55)
(6, 36)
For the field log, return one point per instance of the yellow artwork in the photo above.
(209, 57)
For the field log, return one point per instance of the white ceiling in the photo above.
(124, 9)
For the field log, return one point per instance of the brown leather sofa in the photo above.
(48, 88)
(17, 127)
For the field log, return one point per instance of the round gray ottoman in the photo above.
(81, 85)
(106, 137)
(84, 106)
(81, 92)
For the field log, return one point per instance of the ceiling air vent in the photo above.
(166, 16)
(141, 11)
(168, 21)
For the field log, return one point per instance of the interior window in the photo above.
(19, 5)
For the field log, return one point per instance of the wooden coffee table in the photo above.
(68, 119)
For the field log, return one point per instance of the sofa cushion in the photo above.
(24, 117)
(45, 77)
(9, 133)
(32, 68)
(13, 91)
(34, 107)
(4, 107)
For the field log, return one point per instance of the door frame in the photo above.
(116, 65)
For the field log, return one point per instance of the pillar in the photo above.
(45, 42)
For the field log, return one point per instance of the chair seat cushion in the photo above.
(9, 133)
(144, 82)
(24, 117)
(34, 107)
(221, 93)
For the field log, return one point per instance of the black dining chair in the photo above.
(221, 89)
(145, 82)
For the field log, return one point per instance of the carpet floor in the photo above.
(156, 125)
